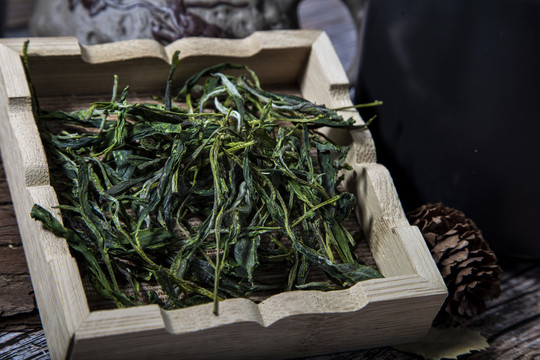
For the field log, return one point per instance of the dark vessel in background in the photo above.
(460, 124)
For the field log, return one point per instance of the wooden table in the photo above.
(511, 323)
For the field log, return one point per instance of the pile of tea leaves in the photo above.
(202, 193)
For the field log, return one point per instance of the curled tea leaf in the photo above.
(205, 193)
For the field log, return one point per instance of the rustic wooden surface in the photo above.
(511, 323)
(17, 305)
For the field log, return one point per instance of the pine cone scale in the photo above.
(465, 261)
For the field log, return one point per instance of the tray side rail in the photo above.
(59, 295)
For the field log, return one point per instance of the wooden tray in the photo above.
(395, 309)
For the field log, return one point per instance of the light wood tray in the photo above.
(395, 309)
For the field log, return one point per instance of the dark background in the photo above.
(460, 123)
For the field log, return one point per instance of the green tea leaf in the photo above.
(245, 253)
(204, 193)
(154, 236)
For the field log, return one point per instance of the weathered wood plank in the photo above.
(17, 304)
(21, 322)
(12, 260)
(23, 345)
(16, 297)
(9, 233)
(5, 198)
(510, 323)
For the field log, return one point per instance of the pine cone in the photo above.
(467, 264)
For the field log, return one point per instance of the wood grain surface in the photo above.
(18, 310)
(511, 322)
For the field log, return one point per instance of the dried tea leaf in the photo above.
(446, 343)
(203, 191)
(245, 253)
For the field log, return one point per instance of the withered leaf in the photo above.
(446, 343)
